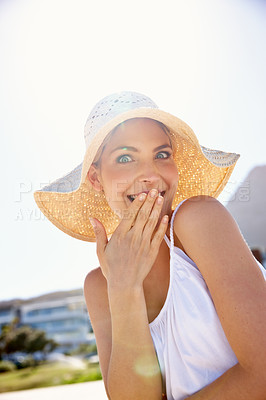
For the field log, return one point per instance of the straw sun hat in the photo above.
(70, 201)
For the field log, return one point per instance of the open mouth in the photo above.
(132, 197)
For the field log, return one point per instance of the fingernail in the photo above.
(142, 196)
(165, 219)
(153, 193)
(92, 222)
(159, 199)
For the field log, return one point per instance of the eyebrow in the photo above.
(130, 148)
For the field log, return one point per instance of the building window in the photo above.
(45, 311)
(5, 313)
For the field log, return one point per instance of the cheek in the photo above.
(114, 183)
(175, 172)
(172, 176)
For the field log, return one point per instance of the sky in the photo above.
(203, 61)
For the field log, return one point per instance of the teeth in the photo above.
(133, 196)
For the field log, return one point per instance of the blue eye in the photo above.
(125, 158)
(163, 154)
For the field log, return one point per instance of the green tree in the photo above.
(24, 339)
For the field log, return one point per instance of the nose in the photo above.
(149, 174)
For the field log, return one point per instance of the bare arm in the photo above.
(127, 355)
(95, 292)
(212, 239)
(131, 317)
(133, 370)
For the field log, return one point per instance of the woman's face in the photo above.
(136, 159)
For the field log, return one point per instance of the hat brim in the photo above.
(70, 201)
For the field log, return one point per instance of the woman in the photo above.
(178, 302)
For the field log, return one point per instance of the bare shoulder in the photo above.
(94, 279)
(95, 292)
(205, 216)
(199, 208)
(211, 236)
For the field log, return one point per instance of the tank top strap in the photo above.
(172, 227)
(167, 241)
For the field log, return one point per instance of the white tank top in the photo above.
(190, 343)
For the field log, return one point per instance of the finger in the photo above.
(153, 218)
(130, 214)
(159, 234)
(101, 236)
(145, 212)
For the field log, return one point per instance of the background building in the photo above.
(248, 207)
(62, 315)
(9, 311)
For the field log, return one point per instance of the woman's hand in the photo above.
(127, 258)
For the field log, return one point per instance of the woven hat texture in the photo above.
(70, 201)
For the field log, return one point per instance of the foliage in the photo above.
(47, 374)
(6, 366)
(22, 361)
(84, 348)
(24, 339)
